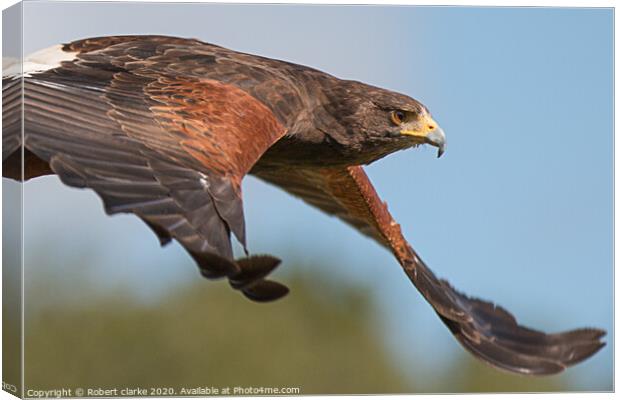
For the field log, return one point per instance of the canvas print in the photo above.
(196, 199)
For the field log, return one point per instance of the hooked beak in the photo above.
(438, 139)
(430, 133)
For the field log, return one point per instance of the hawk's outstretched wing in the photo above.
(486, 330)
(144, 129)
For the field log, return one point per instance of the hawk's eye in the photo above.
(398, 117)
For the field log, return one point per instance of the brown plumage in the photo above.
(166, 128)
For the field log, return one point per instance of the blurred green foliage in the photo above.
(209, 335)
(11, 287)
(322, 340)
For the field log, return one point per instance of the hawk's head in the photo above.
(380, 121)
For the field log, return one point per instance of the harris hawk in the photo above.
(166, 128)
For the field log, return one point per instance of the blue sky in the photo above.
(519, 209)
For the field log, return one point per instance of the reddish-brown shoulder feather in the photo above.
(218, 124)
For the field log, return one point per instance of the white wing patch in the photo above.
(39, 61)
